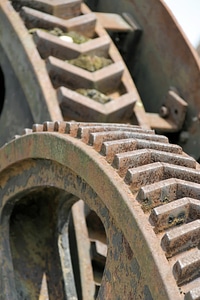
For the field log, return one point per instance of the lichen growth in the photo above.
(177, 220)
(76, 37)
(146, 204)
(90, 63)
(94, 95)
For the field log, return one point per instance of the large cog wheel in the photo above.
(139, 185)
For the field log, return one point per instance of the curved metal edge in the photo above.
(111, 189)
(162, 59)
(27, 64)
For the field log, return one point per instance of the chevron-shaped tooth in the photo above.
(166, 191)
(154, 172)
(96, 139)
(181, 238)
(187, 267)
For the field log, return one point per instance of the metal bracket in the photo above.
(124, 30)
(172, 114)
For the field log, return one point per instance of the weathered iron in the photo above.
(160, 60)
(39, 62)
(141, 178)
(142, 46)
(140, 192)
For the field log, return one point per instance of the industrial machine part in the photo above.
(161, 61)
(40, 81)
(144, 190)
(157, 54)
(47, 81)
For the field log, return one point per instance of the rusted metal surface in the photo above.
(172, 114)
(43, 53)
(13, 102)
(143, 190)
(83, 244)
(57, 164)
(149, 58)
(61, 9)
(27, 84)
(113, 22)
(162, 58)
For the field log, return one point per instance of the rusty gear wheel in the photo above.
(48, 87)
(38, 74)
(144, 190)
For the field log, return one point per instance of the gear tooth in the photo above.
(27, 131)
(181, 238)
(187, 268)
(37, 127)
(172, 214)
(49, 126)
(60, 126)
